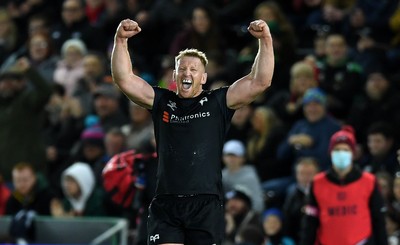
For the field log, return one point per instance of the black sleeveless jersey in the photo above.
(190, 134)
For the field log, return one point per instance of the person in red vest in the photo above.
(345, 205)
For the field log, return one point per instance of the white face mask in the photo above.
(341, 159)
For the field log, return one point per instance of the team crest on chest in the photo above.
(172, 105)
(204, 99)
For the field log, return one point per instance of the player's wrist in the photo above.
(120, 40)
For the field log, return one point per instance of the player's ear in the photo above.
(204, 78)
(174, 76)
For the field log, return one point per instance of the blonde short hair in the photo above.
(193, 53)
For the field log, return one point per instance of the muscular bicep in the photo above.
(137, 90)
(243, 92)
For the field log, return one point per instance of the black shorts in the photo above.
(193, 220)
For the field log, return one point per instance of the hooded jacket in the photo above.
(89, 202)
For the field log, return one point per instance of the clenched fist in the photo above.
(259, 29)
(127, 28)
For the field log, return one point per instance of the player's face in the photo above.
(189, 76)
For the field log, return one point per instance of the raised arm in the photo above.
(246, 89)
(137, 89)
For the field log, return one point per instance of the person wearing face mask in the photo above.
(345, 205)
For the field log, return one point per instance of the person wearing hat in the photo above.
(238, 213)
(345, 205)
(24, 94)
(309, 137)
(236, 172)
(91, 150)
(273, 225)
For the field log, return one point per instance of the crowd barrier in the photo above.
(76, 230)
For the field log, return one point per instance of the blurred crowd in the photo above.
(62, 118)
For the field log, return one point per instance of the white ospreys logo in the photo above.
(172, 105)
(154, 238)
(204, 99)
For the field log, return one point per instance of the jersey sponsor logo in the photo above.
(172, 105)
(165, 117)
(172, 118)
(204, 99)
(154, 238)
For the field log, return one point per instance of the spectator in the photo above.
(30, 193)
(203, 33)
(81, 196)
(107, 107)
(250, 235)
(75, 25)
(339, 77)
(318, 53)
(238, 173)
(140, 128)
(39, 50)
(94, 75)
(91, 150)
(372, 17)
(393, 228)
(39, 23)
(379, 101)
(345, 205)
(23, 96)
(309, 137)
(41, 54)
(385, 182)
(218, 69)
(295, 201)
(333, 14)
(381, 156)
(273, 228)
(115, 143)
(240, 125)
(288, 104)
(300, 14)
(70, 68)
(265, 135)
(239, 214)
(24, 9)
